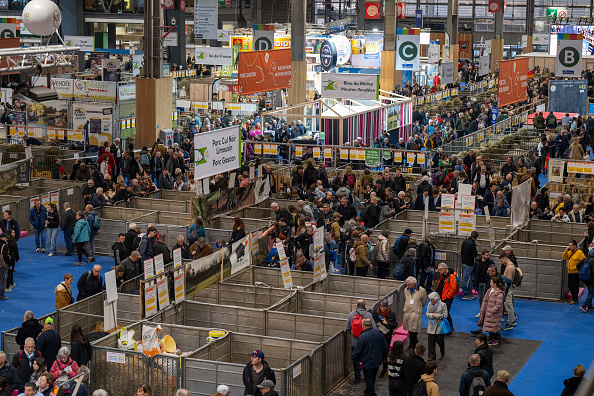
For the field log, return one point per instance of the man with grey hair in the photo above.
(100, 392)
(23, 362)
(354, 325)
(184, 392)
(474, 380)
(181, 244)
(415, 299)
(99, 199)
(68, 223)
(132, 238)
(282, 213)
(8, 371)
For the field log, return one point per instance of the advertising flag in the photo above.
(513, 81)
(350, 86)
(569, 55)
(261, 71)
(263, 37)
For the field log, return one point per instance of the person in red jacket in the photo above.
(446, 287)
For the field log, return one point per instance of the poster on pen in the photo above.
(206, 20)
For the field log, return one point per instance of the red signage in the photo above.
(494, 5)
(373, 10)
(261, 71)
(513, 81)
(401, 10)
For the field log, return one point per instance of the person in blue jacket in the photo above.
(37, 218)
(82, 234)
(91, 214)
(467, 379)
(371, 351)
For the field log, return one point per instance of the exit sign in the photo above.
(557, 12)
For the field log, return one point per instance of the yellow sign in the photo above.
(298, 151)
(245, 42)
(282, 42)
(328, 153)
(257, 149)
(344, 154)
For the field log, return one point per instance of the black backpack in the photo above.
(420, 389)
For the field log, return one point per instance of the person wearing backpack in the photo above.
(354, 325)
(95, 224)
(145, 159)
(401, 243)
(474, 380)
(586, 273)
(90, 283)
(427, 385)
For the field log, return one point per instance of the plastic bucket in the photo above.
(169, 344)
(214, 334)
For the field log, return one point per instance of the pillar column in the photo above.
(177, 54)
(496, 53)
(111, 35)
(452, 31)
(529, 26)
(389, 76)
(72, 17)
(361, 14)
(297, 93)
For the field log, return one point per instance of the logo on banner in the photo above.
(408, 51)
(328, 55)
(463, 45)
(263, 44)
(331, 86)
(401, 10)
(569, 56)
(202, 154)
(372, 10)
(494, 6)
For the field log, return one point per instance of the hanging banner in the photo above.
(513, 81)
(484, 64)
(466, 223)
(206, 20)
(491, 230)
(263, 37)
(240, 255)
(150, 299)
(408, 44)
(159, 264)
(419, 19)
(373, 157)
(255, 245)
(373, 10)
(317, 267)
(94, 121)
(447, 220)
(111, 69)
(318, 239)
(520, 204)
(214, 56)
(217, 152)
(85, 43)
(163, 290)
(433, 54)
(149, 268)
(177, 257)
(261, 71)
(447, 73)
(281, 251)
(286, 273)
(569, 55)
(350, 86)
(178, 284)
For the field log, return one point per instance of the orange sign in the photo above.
(261, 71)
(513, 81)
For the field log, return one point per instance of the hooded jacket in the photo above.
(265, 374)
(30, 328)
(89, 285)
(48, 344)
(82, 231)
(371, 349)
(382, 249)
(486, 354)
(119, 252)
(146, 247)
(362, 253)
(447, 285)
(468, 377)
(571, 385)
(63, 296)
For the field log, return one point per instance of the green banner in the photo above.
(372, 157)
(386, 154)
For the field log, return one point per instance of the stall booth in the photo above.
(338, 121)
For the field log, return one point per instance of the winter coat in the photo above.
(205, 251)
(371, 349)
(382, 249)
(492, 311)
(362, 253)
(571, 385)
(30, 328)
(390, 320)
(448, 289)
(486, 354)
(436, 313)
(80, 352)
(37, 219)
(82, 231)
(119, 252)
(24, 368)
(146, 247)
(58, 366)
(385, 213)
(409, 266)
(48, 344)
(413, 312)
(130, 268)
(265, 374)
(161, 248)
(468, 377)
(130, 241)
(63, 296)
(68, 220)
(413, 367)
(498, 389)
(432, 387)
(576, 151)
(89, 285)
(468, 252)
(91, 220)
(9, 372)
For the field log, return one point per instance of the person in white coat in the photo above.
(437, 311)
(415, 299)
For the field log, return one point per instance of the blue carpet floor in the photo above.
(563, 329)
(36, 277)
